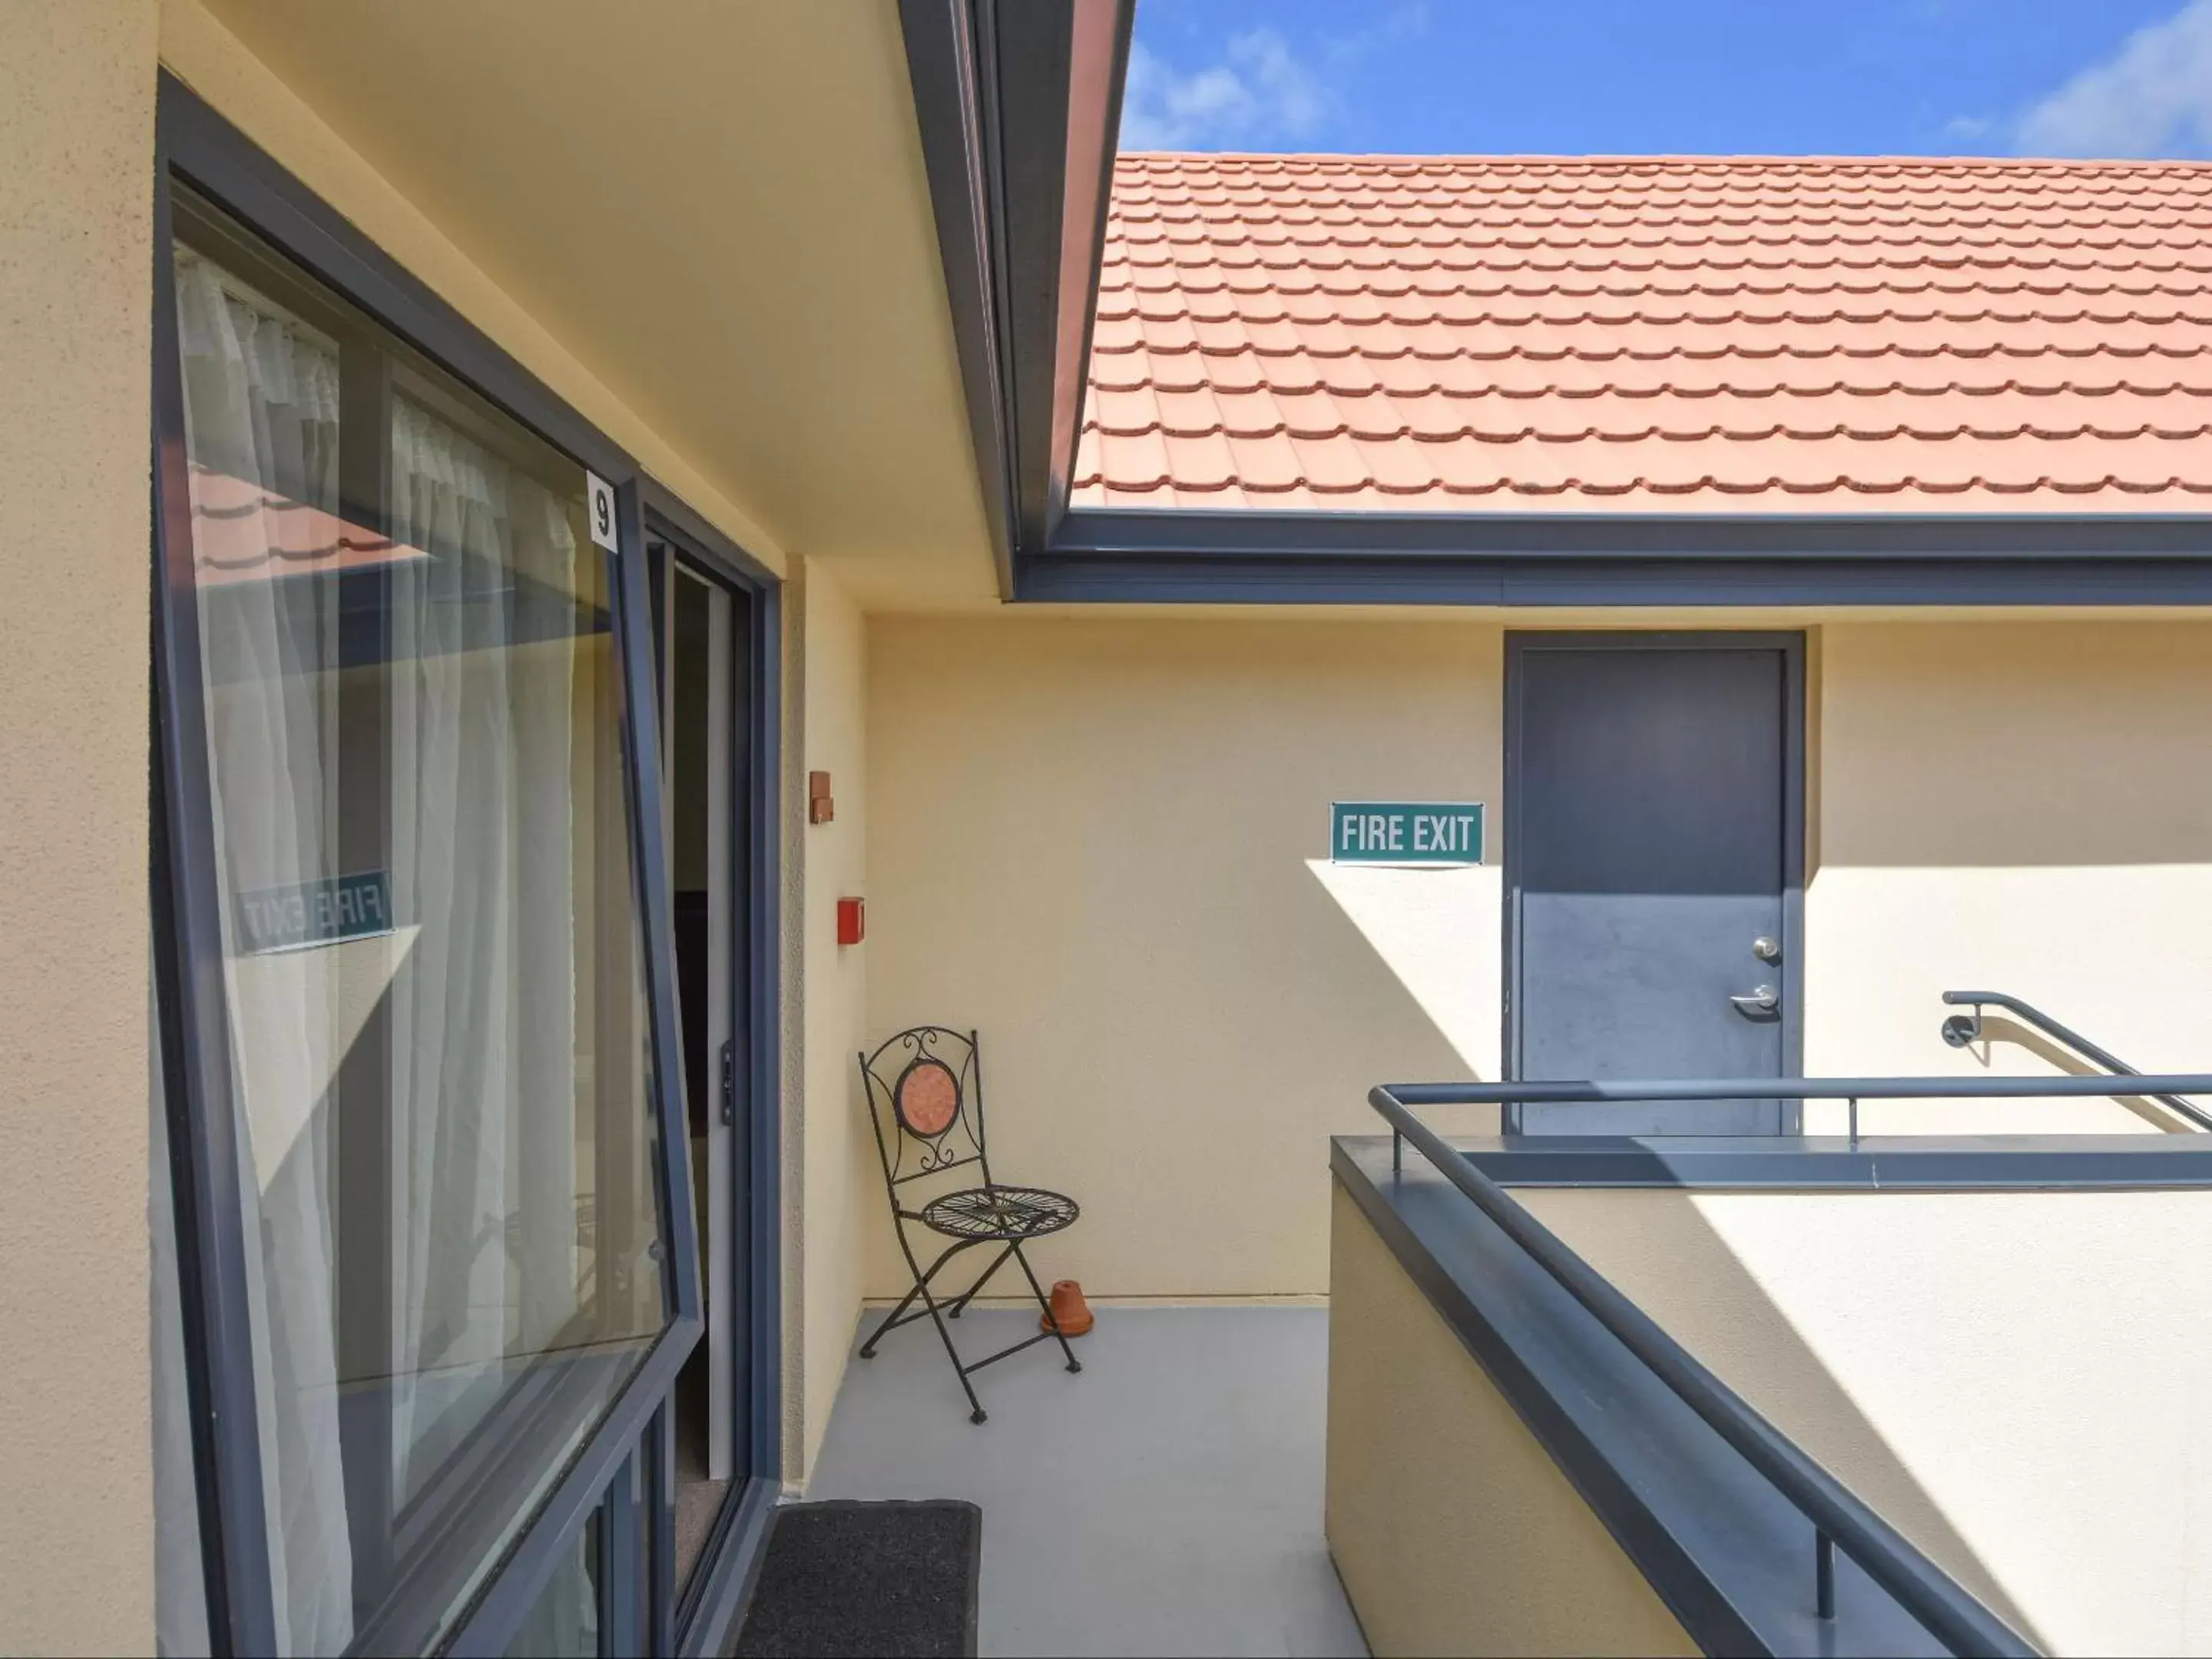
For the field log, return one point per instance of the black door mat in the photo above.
(847, 1577)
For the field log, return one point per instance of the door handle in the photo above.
(1765, 1000)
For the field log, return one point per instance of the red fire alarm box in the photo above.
(852, 920)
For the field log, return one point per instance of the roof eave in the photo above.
(1140, 555)
(1019, 106)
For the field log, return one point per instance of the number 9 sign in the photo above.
(600, 503)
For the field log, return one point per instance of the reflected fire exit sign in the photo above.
(1405, 832)
(322, 912)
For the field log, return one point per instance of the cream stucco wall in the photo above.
(2023, 807)
(77, 124)
(1104, 852)
(2014, 1380)
(1096, 841)
(1452, 1528)
(831, 1184)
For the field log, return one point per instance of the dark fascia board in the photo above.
(1018, 103)
(1749, 537)
(942, 62)
(1369, 579)
(1142, 555)
(1030, 48)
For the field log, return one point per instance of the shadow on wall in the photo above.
(1685, 1275)
(1998, 1029)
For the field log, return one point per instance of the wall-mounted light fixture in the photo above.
(820, 808)
(852, 920)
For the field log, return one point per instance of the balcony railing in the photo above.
(1839, 1519)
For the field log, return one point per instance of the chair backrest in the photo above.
(925, 1091)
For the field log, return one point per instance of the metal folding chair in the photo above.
(925, 1091)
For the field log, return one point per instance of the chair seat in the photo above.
(1000, 1213)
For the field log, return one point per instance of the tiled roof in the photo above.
(1446, 334)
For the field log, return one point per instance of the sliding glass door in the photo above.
(442, 1169)
(428, 952)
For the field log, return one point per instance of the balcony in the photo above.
(1166, 1501)
(1798, 1394)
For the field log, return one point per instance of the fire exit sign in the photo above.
(1405, 832)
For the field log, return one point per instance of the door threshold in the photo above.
(731, 1567)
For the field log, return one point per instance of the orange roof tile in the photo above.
(1440, 334)
(245, 532)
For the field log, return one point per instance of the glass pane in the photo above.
(564, 1622)
(430, 944)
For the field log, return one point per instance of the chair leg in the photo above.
(959, 1305)
(868, 1348)
(976, 1412)
(896, 1316)
(1073, 1364)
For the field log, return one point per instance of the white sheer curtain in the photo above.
(261, 417)
(485, 717)
(485, 1085)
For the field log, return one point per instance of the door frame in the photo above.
(1790, 972)
(700, 1617)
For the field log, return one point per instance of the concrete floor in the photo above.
(1167, 1500)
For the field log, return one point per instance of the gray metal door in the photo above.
(1650, 851)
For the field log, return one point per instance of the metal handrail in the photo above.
(1960, 1029)
(1591, 1091)
(1839, 1517)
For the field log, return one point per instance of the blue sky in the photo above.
(1790, 77)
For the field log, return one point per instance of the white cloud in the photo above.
(1405, 21)
(1259, 94)
(2151, 98)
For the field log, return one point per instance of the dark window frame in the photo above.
(700, 1618)
(196, 146)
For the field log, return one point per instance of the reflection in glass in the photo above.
(430, 948)
(564, 1621)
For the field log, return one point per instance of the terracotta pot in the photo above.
(1069, 1310)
